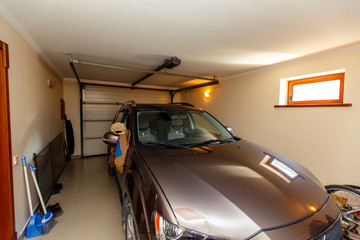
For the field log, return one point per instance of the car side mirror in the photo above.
(229, 129)
(110, 138)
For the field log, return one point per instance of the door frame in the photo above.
(7, 216)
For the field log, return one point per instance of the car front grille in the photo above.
(332, 233)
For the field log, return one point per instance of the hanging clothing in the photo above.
(121, 148)
(118, 152)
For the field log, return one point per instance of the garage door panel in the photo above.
(96, 129)
(94, 147)
(99, 112)
(102, 94)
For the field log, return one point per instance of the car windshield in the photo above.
(180, 128)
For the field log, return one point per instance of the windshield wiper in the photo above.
(170, 145)
(211, 141)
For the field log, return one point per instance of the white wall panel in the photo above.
(35, 113)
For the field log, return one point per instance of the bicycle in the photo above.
(347, 197)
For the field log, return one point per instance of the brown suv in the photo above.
(187, 177)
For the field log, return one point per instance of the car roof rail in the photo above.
(184, 103)
(131, 102)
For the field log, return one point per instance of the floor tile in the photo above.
(90, 201)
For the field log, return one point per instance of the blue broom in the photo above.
(47, 220)
(34, 227)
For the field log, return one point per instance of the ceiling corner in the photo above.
(11, 20)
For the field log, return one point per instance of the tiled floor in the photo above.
(90, 202)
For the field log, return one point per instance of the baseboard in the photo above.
(75, 156)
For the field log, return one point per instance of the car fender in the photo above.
(130, 188)
(142, 190)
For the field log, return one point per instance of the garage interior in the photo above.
(239, 51)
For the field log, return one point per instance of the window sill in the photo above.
(315, 105)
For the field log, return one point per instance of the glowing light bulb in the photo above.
(207, 93)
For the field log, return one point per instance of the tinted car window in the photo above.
(126, 118)
(118, 116)
(204, 124)
(180, 127)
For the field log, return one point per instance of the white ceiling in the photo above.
(211, 37)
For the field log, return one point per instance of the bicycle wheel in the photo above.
(348, 200)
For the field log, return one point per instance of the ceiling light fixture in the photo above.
(51, 83)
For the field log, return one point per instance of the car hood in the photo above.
(226, 190)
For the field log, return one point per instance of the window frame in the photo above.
(323, 78)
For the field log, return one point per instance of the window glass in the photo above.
(203, 123)
(126, 118)
(179, 127)
(329, 90)
(119, 116)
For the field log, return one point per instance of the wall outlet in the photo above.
(15, 160)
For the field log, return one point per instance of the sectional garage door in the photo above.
(99, 107)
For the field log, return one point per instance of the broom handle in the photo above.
(37, 188)
(27, 185)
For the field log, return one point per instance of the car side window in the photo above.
(126, 118)
(119, 115)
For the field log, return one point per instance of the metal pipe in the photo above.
(213, 82)
(81, 119)
(142, 88)
(74, 71)
(81, 107)
(148, 75)
(142, 79)
(172, 95)
(138, 70)
(173, 92)
(168, 63)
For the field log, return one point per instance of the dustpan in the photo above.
(35, 226)
(47, 220)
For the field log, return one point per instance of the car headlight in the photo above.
(168, 231)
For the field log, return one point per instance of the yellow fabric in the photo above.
(124, 140)
(119, 162)
(118, 128)
(112, 156)
(120, 169)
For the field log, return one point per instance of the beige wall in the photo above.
(34, 109)
(72, 110)
(325, 140)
